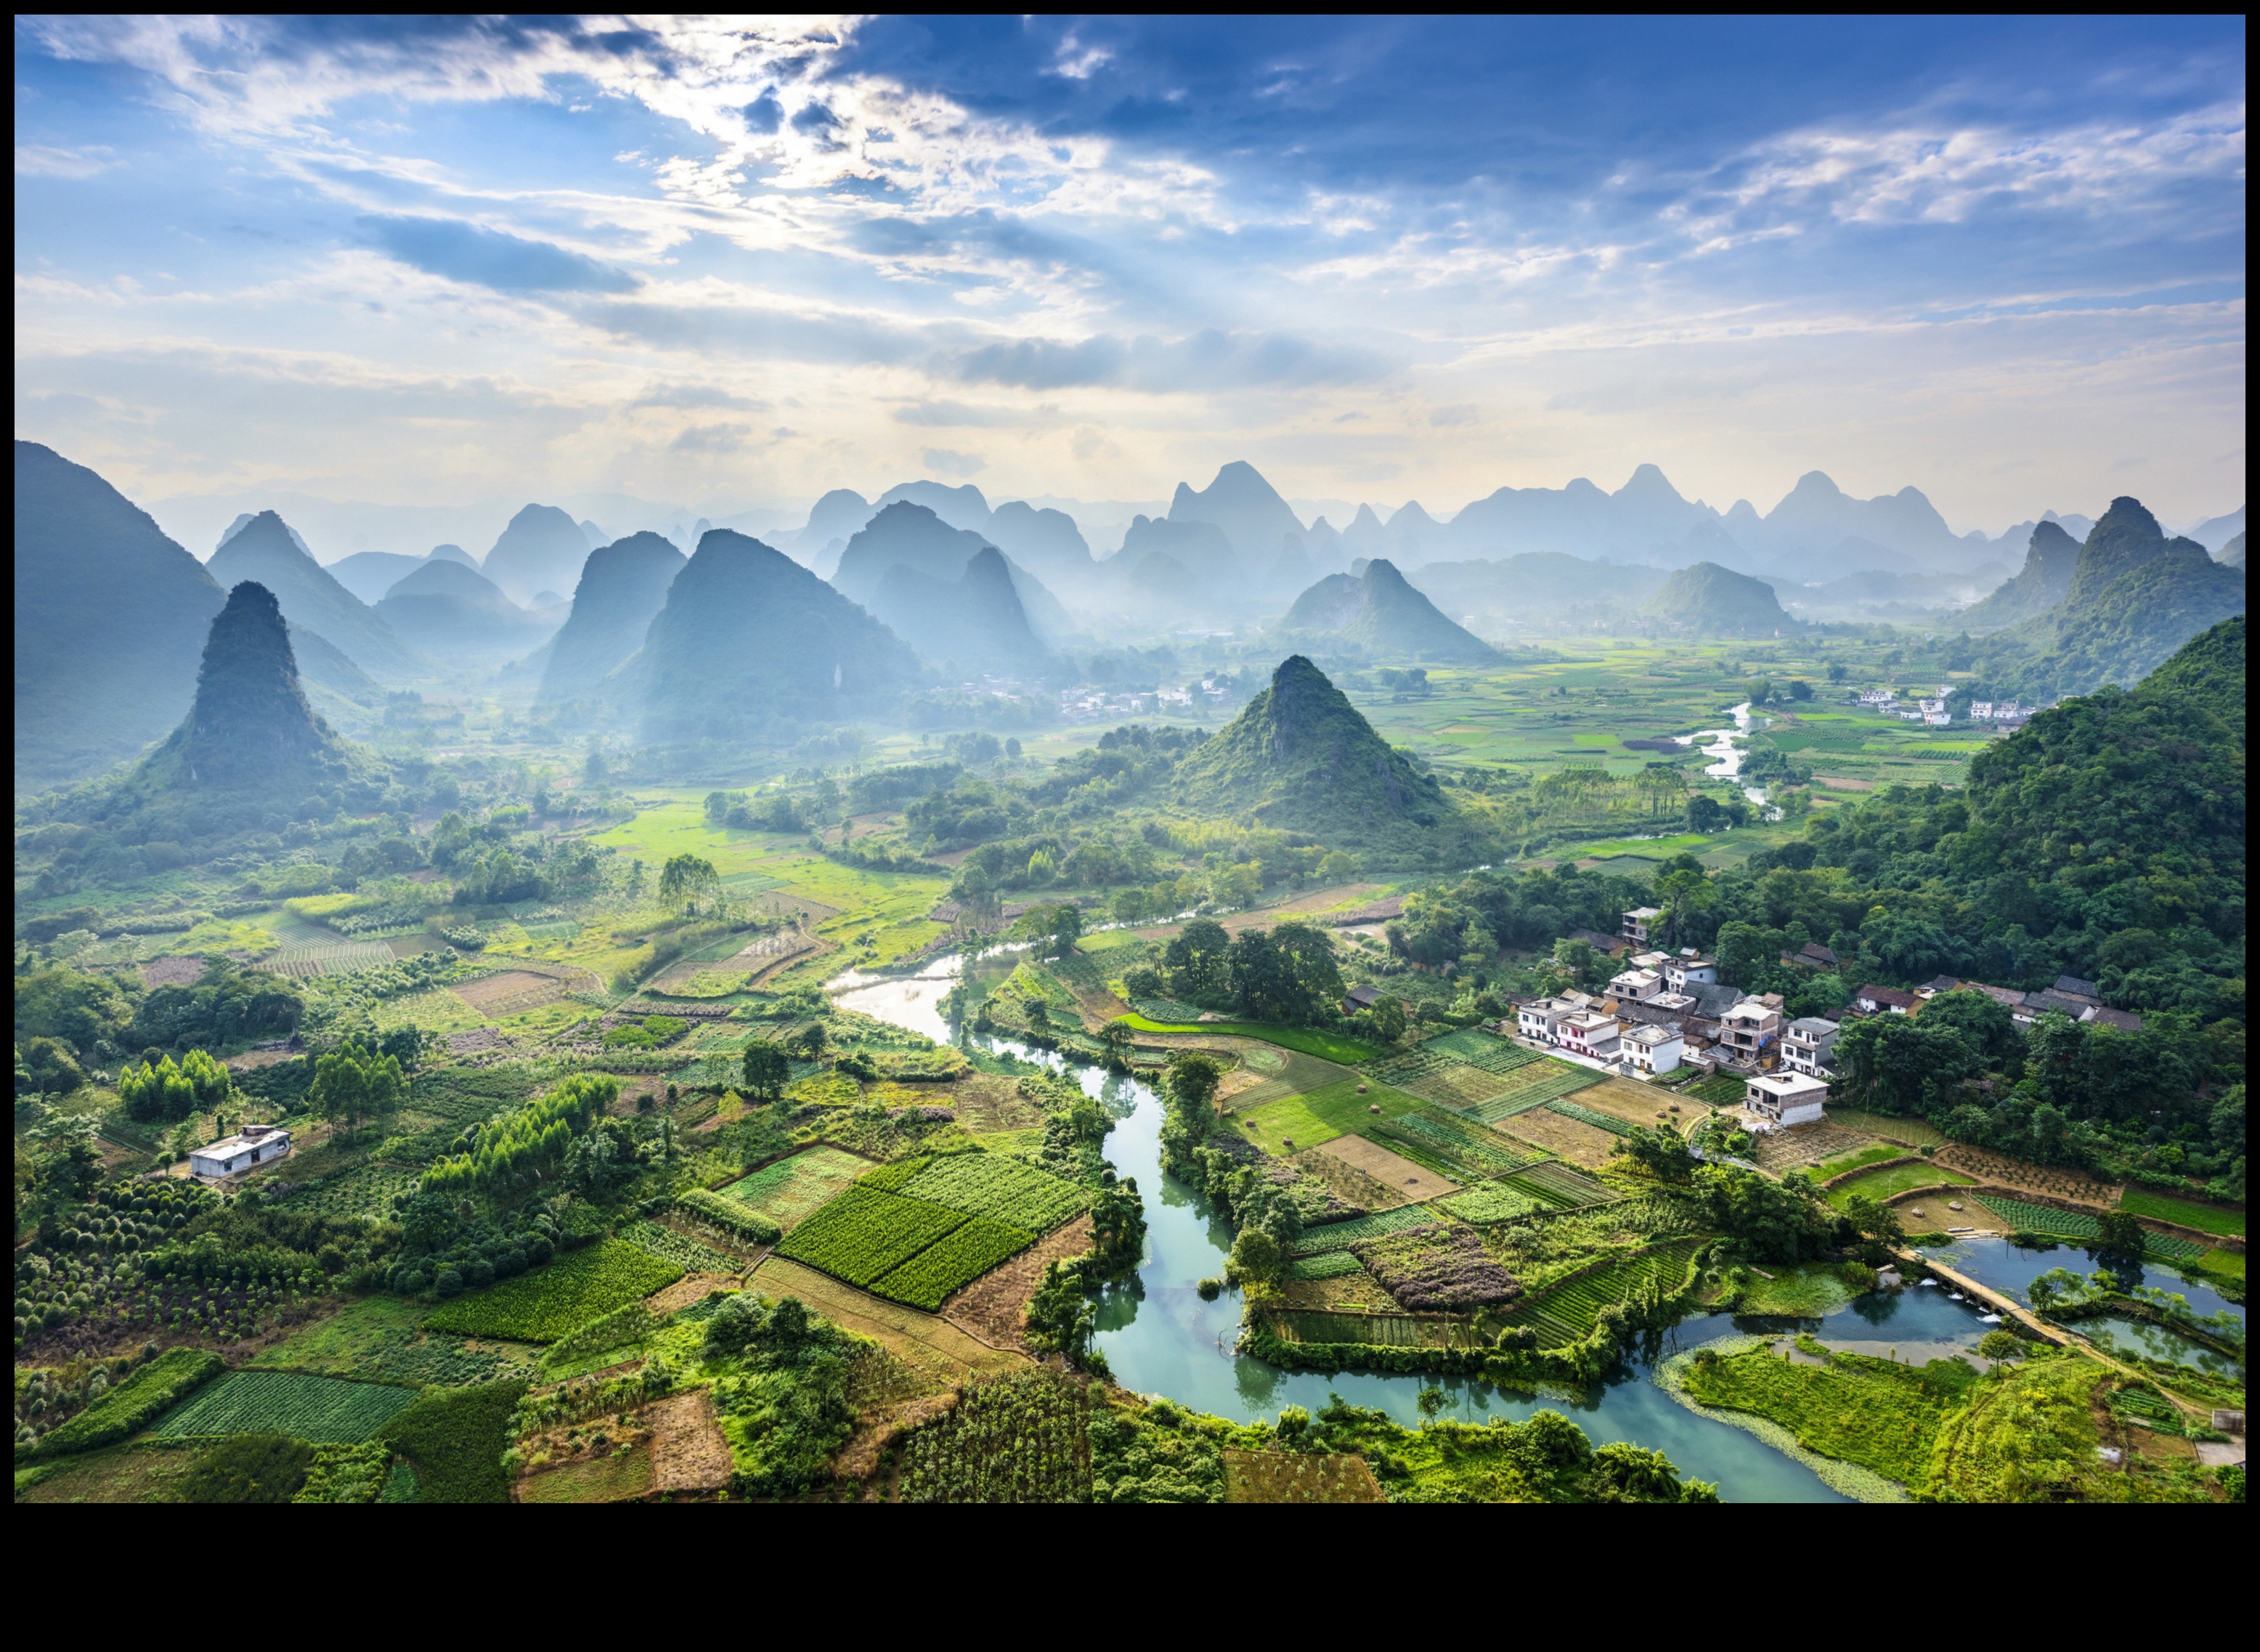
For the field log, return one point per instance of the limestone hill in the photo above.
(1711, 601)
(543, 549)
(2135, 598)
(623, 585)
(2039, 585)
(251, 753)
(266, 552)
(1380, 613)
(110, 617)
(751, 645)
(451, 611)
(1301, 757)
(975, 622)
(904, 535)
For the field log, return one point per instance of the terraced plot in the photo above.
(790, 1189)
(1336, 1235)
(1607, 1121)
(863, 1234)
(1327, 1264)
(1567, 1313)
(321, 1409)
(1560, 1187)
(982, 1184)
(1368, 1330)
(1533, 1086)
(1492, 1202)
(2044, 1218)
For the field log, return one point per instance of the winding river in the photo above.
(1161, 1339)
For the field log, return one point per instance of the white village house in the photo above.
(1653, 1050)
(1774, 1101)
(253, 1144)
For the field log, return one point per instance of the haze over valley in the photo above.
(1136, 760)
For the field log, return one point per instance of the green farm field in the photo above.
(2207, 1218)
(322, 1409)
(1331, 1046)
(549, 1302)
(1321, 1116)
(791, 1188)
(1900, 1178)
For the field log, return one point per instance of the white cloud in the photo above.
(43, 160)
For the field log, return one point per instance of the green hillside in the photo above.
(1711, 601)
(251, 753)
(1302, 757)
(109, 616)
(2135, 598)
(2038, 586)
(1381, 614)
(752, 646)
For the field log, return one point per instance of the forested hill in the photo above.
(2135, 595)
(1301, 756)
(1714, 601)
(251, 753)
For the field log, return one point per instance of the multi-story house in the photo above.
(1690, 969)
(1751, 1030)
(1592, 1034)
(1653, 1050)
(1637, 922)
(1807, 1045)
(1638, 984)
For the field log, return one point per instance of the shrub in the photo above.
(748, 1224)
(456, 1437)
(133, 1405)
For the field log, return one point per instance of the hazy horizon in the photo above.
(446, 262)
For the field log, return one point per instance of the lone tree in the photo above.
(767, 1069)
(685, 878)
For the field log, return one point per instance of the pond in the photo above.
(1159, 1338)
(1998, 1265)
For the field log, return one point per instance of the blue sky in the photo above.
(1382, 259)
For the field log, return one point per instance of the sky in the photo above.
(416, 261)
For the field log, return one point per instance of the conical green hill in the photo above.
(1302, 757)
(250, 752)
(1383, 615)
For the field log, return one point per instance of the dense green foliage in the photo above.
(784, 1408)
(249, 1467)
(456, 1437)
(1302, 756)
(133, 1404)
(513, 1154)
(2039, 585)
(551, 1302)
(1875, 1413)
(1023, 1438)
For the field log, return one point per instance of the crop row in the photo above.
(1556, 1079)
(366, 1190)
(1607, 1121)
(1561, 1186)
(1491, 1202)
(1002, 1190)
(958, 1258)
(326, 1410)
(2044, 1218)
(1024, 1439)
(681, 1249)
(863, 1234)
(1338, 1235)
(739, 1220)
(1576, 1307)
(551, 1302)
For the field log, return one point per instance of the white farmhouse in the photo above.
(1778, 1100)
(1638, 984)
(253, 1144)
(1654, 1051)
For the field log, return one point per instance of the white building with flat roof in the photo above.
(1641, 984)
(253, 1144)
(1774, 1101)
(1653, 1051)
